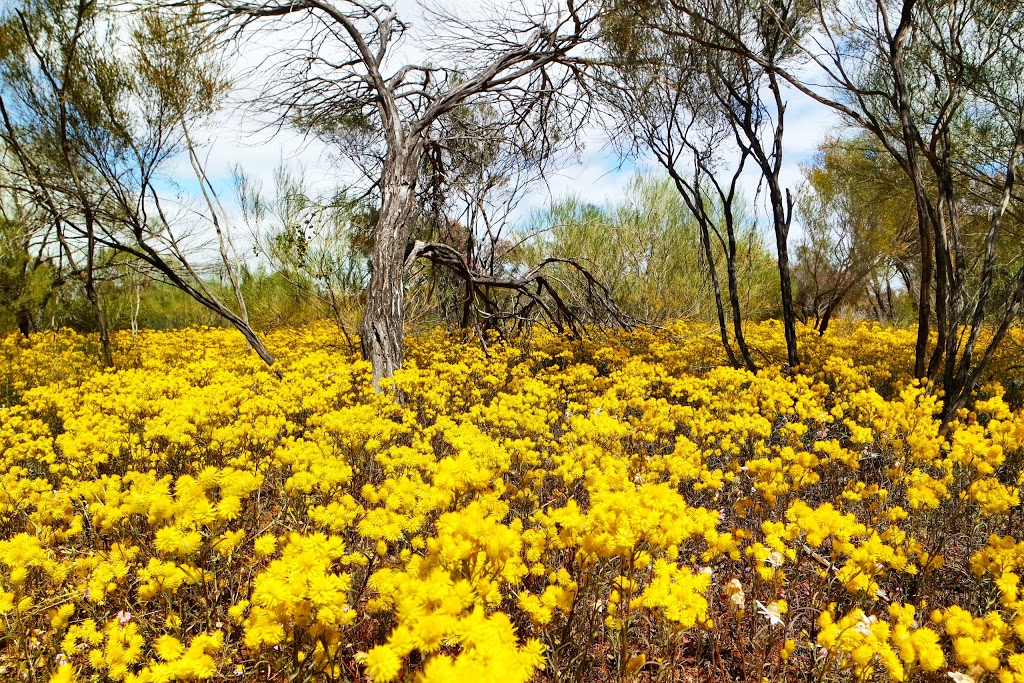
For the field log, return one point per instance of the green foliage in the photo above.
(316, 248)
(856, 211)
(647, 251)
(26, 281)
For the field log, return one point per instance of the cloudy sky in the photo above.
(597, 175)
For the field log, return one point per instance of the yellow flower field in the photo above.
(622, 508)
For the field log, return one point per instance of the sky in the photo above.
(596, 175)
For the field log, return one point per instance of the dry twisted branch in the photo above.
(511, 304)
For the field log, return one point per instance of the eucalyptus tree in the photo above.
(857, 229)
(95, 108)
(706, 113)
(659, 105)
(349, 80)
(937, 83)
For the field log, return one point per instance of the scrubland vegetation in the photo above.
(379, 422)
(619, 508)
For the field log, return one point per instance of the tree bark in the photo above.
(913, 165)
(734, 294)
(92, 295)
(24, 321)
(381, 330)
(705, 239)
(781, 214)
(695, 202)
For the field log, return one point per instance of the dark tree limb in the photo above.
(512, 304)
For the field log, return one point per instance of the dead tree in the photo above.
(346, 84)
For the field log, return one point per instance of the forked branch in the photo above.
(569, 300)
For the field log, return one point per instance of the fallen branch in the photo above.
(569, 303)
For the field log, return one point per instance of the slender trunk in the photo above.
(22, 315)
(468, 319)
(705, 239)
(770, 163)
(734, 293)
(785, 281)
(910, 141)
(875, 301)
(694, 198)
(89, 281)
(945, 308)
(925, 288)
(228, 253)
(836, 299)
(959, 381)
(822, 325)
(101, 323)
(381, 330)
(908, 283)
(782, 214)
(250, 337)
(950, 248)
(135, 311)
(94, 300)
(24, 321)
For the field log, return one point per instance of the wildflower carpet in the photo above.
(623, 508)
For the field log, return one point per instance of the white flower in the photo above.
(864, 626)
(770, 612)
(737, 599)
(960, 678)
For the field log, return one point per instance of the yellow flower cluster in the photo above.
(617, 508)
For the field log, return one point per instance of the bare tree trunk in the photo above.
(913, 165)
(468, 308)
(93, 296)
(746, 126)
(101, 321)
(24, 321)
(781, 214)
(135, 311)
(705, 239)
(22, 314)
(381, 331)
(228, 253)
(695, 202)
(89, 284)
(875, 300)
(830, 309)
(959, 380)
(734, 295)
